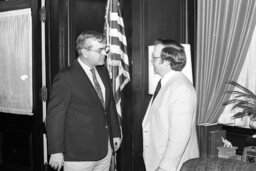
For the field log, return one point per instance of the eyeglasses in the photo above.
(155, 57)
(100, 50)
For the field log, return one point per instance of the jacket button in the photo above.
(106, 126)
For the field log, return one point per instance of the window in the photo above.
(246, 78)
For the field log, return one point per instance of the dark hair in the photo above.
(176, 57)
(169, 42)
(82, 40)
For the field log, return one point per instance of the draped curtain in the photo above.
(16, 62)
(224, 31)
(247, 78)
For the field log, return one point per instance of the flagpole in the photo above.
(107, 27)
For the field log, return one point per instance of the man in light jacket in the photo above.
(169, 125)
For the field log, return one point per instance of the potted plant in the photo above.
(243, 99)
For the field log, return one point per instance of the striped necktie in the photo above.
(158, 87)
(97, 86)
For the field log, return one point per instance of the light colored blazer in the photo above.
(169, 126)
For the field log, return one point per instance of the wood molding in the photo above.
(14, 4)
(139, 79)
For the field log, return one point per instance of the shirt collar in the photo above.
(83, 65)
(167, 77)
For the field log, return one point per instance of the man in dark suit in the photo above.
(82, 123)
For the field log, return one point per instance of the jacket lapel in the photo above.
(155, 105)
(146, 117)
(152, 108)
(86, 82)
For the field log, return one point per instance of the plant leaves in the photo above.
(238, 115)
(243, 99)
(239, 93)
(242, 88)
(232, 101)
(242, 104)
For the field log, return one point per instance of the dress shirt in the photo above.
(89, 74)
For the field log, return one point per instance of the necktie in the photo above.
(97, 86)
(157, 89)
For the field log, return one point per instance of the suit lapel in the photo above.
(153, 106)
(87, 84)
(145, 120)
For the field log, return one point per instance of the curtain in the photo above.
(224, 31)
(247, 78)
(16, 62)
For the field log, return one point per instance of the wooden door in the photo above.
(21, 131)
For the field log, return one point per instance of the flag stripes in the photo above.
(117, 21)
(117, 61)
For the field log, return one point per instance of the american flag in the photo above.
(117, 61)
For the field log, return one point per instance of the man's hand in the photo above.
(56, 161)
(117, 143)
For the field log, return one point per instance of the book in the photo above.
(203, 131)
(214, 141)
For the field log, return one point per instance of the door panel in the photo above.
(21, 135)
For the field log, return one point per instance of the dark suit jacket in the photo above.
(77, 124)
